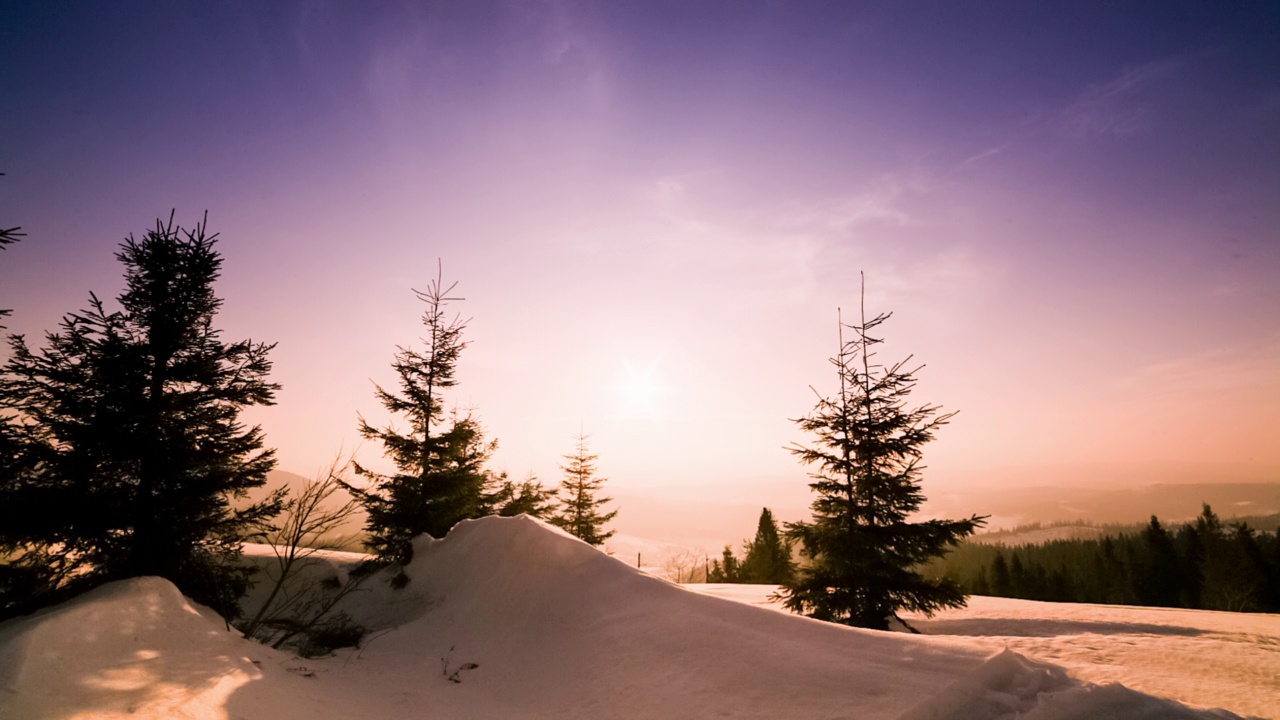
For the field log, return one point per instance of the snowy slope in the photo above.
(557, 629)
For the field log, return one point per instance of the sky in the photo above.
(654, 210)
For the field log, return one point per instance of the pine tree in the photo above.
(528, 497)
(440, 458)
(1163, 578)
(1232, 565)
(130, 437)
(863, 551)
(579, 512)
(14, 581)
(1001, 577)
(1190, 557)
(725, 570)
(768, 558)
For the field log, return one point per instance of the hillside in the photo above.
(1172, 502)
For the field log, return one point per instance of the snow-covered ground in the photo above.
(1200, 657)
(558, 629)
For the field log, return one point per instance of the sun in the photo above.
(640, 390)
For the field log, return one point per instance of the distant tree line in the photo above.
(1205, 564)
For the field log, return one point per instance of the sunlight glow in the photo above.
(640, 390)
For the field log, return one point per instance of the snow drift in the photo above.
(1011, 686)
(133, 649)
(554, 629)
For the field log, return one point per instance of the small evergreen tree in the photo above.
(440, 458)
(864, 553)
(528, 497)
(580, 510)
(129, 444)
(768, 558)
(725, 570)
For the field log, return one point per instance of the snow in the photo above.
(137, 648)
(1012, 686)
(1199, 657)
(556, 629)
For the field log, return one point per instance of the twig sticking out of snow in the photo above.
(454, 677)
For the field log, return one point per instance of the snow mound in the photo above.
(558, 629)
(1012, 687)
(524, 568)
(128, 649)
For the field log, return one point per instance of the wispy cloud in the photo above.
(987, 153)
(1117, 105)
(568, 42)
(1240, 367)
(880, 202)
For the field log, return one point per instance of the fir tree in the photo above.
(864, 553)
(768, 559)
(580, 510)
(1231, 567)
(1001, 577)
(980, 586)
(130, 440)
(1017, 574)
(15, 582)
(725, 570)
(528, 497)
(440, 458)
(1163, 572)
(1191, 555)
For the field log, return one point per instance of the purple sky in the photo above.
(654, 209)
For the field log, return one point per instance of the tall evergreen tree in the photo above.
(768, 559)
(21, 582)
(129, 431)
(440, 457)
(863, 551)
(9, 433)
(580, 509)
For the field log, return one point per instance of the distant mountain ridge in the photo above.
(1050, 504)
